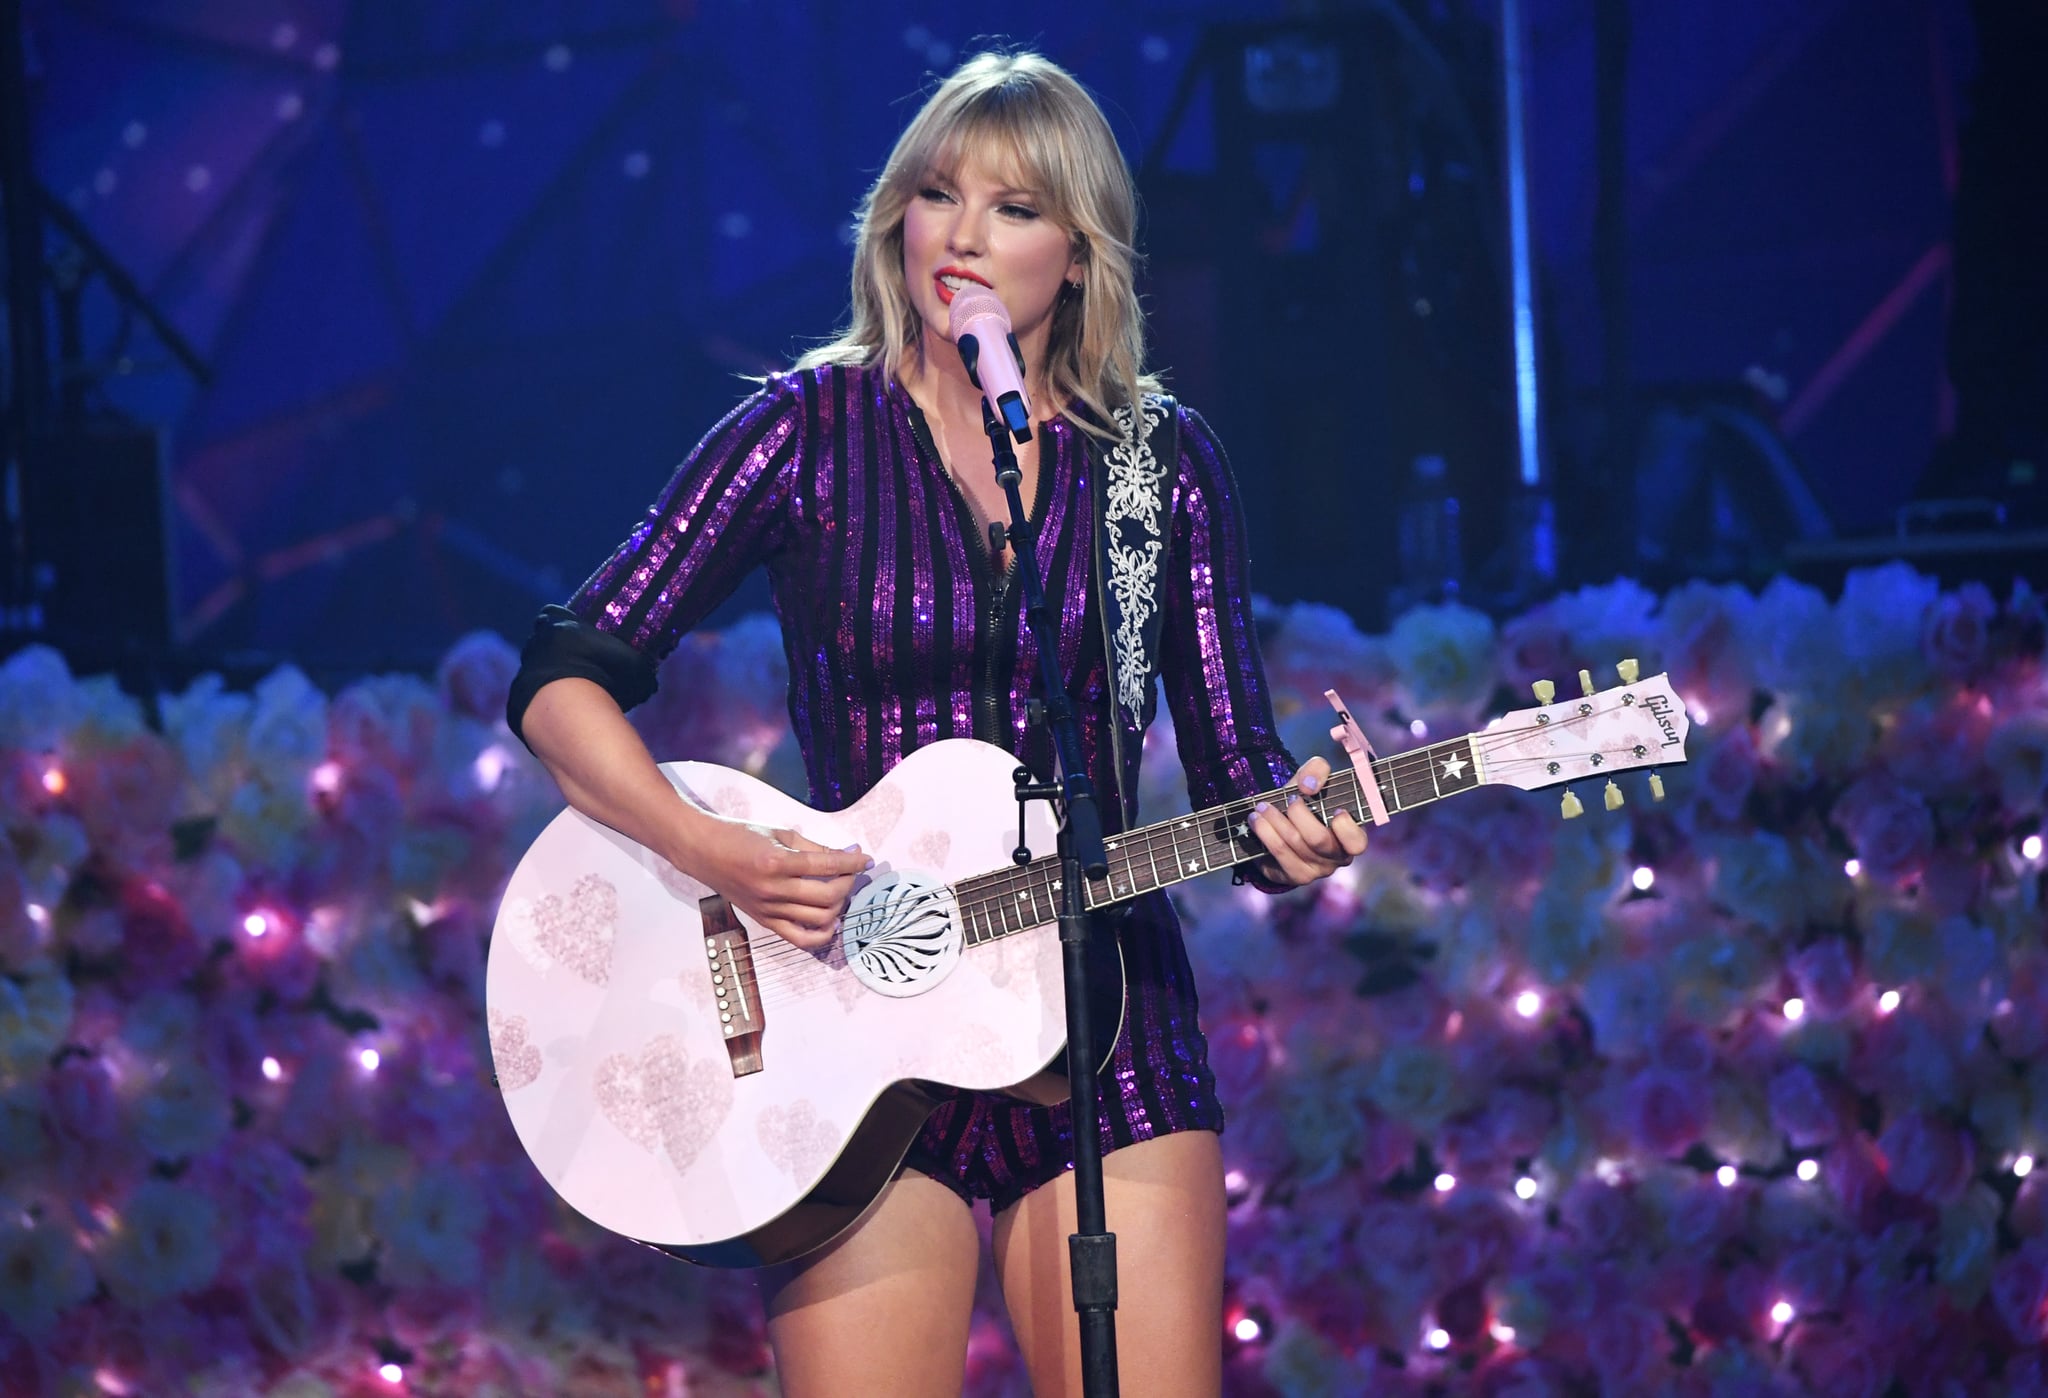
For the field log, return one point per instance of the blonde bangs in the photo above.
(1030, 123)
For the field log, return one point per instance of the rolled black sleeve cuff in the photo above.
(563, 646)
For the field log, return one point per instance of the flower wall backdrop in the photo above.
(1734, 1094)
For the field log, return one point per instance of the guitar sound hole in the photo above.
(902, 933)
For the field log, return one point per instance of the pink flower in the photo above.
(158, 946)
(1395, 1243)
(1440, 852)
(1726, 773)
(1686, 1050)
(476, 675)
(1803, 1106)
(1815, 1275)
(1666, 1112)
(1888, 824)
(1838, 1360)
(1703, 644)
(1510, 1125)
(1239, 1056)
(1950, 883)
(1536, 646)
(1514, 833)
(2019, 1293)
(1955, 632)
(79, 1102)
(1628, 1345)
(1826, 975)
(1927, 1158)
(1855, 1175)
(1937, 745)
(1603, 1216)
(263, 1196)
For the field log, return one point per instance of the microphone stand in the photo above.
(1091, 1250)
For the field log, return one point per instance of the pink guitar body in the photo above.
(687, 1078)
(610, 995)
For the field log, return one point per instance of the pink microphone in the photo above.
(979, 319)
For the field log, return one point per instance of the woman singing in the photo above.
(861, 481)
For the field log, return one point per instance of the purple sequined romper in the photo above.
(899, 633)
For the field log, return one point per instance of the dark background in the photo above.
(390, 319)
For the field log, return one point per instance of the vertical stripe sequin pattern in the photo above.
(899, 633)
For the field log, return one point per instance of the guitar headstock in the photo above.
(1636, 724)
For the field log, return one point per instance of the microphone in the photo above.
(979, 318)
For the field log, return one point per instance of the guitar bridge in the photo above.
(729, 958)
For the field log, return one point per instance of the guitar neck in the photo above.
(1157, 856)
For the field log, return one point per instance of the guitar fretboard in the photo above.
(1010, 900)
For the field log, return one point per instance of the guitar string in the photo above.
(999, 888)
(983, 898)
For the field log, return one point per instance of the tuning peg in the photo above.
(1572, 809)
(1586, 682)
(1546, 691)
(1613, 797)
(1656, 787)
(1629, 671)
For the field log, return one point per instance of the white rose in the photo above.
(162, 1245)
(42, 1271)
(1443, 659)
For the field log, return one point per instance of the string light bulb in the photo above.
(1809, 1170)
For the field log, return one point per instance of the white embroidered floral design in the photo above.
(1133, 494)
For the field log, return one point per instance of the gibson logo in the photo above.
(1660, 709)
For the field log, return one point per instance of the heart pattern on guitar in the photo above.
(659, 1098)
(930, 848)
(796, 1141)
(876, 814)
(576, 932)
(517, 1062)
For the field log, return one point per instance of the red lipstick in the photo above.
(946, 292)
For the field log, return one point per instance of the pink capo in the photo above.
(1362, 755)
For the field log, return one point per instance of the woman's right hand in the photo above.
(793, 886)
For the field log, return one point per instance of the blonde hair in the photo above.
(1028, 117)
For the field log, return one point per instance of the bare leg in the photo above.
(1164, 1200)
(885, 1309)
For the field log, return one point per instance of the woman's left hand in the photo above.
(1300, 848)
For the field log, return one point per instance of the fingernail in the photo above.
(849, 849)
(1262, 808)
(869, 865)
(1310, 784)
